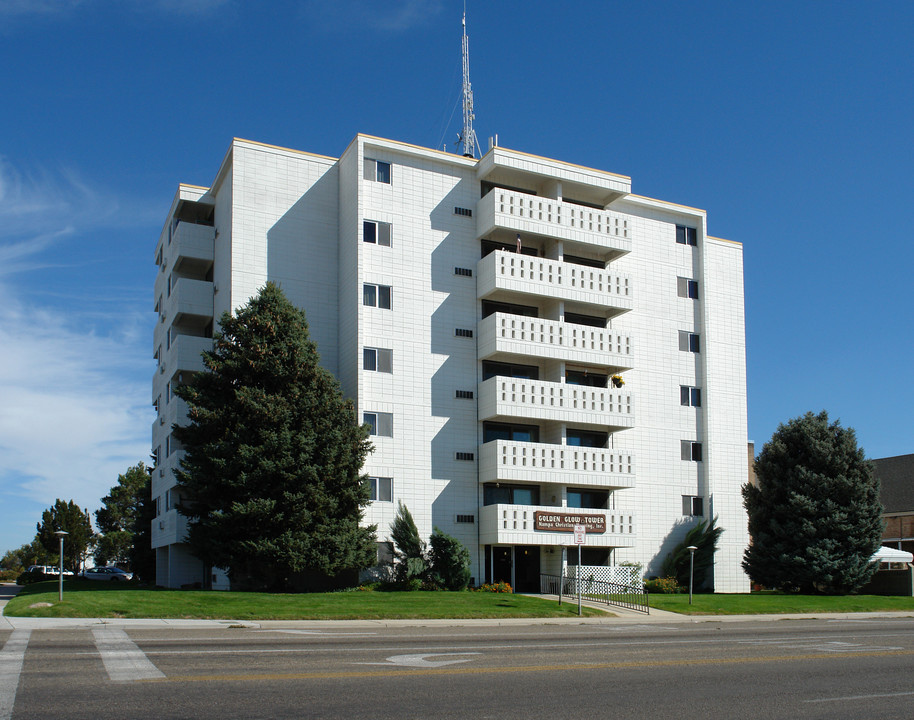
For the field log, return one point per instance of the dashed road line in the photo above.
(123, 660)
(861, 697)
(11, 658)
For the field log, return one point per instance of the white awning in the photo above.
(887, 554)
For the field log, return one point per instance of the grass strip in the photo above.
(124, 600)
(767, 603)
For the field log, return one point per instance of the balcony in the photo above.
(169, 528)
(518, 212)
(502, 271)
(507, 397)
(509, 461)
(516, 335)
(192, 245)
(190, 299)
(186, 353)
(521, 525)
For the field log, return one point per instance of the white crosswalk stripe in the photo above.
(123, 660)
(11, 657)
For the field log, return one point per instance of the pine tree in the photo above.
(411, 564)
(449, 560)
(66, 516)
(270, 477)
(815, 517)
(117, 519)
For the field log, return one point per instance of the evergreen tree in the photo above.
(141, 556)
(69, 517)
(409, 553)
(678, 563)
(449, 560)
(270, 477)
(118, 517)
(815, 517)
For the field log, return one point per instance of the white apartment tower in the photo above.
(477, 311)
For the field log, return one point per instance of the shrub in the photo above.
(450, 562)
(27, 578)
(664, 586)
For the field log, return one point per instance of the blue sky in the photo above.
(789, 122)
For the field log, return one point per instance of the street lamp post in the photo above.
(691, 549)
(60, 534)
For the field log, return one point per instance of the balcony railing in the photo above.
(510, 461)
(523, 213)
(192, 242)
(189, 297)
(540, 400)
(529, 275)
(554, 339)
(517, 525)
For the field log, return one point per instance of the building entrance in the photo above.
(518, 566)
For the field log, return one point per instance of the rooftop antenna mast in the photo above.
(468, 137)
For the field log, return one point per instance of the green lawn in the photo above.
(112, 600)
(770, 602)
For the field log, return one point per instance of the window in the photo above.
(586, 438)
(491, 368)
(690, 450)
(505, 431)
(686, 288)
(465, 394)
(585, 377)
(688, 341)
(465, 519)
(590, 556)
(501, 494)
(588, 262)
(589, 320)
(466, 212)
(385, 553)
(377, 171)
(693, 505)
(465, 272)
(689, 396)
(465, 456)
(594, 499)
(376, 295)
(463, 332)
(376, 232)
(378, 360)
(381, 489)
(686, 235)
(380, 423)
(490, 307)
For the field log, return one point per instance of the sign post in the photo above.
(580, 537)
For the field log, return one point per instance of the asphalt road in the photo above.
(784, 669)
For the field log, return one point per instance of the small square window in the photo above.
(379, 423)
(377, 171)
(686, 288)
(689, 396)
(688, 341)
(381, 489)
(376, 232)
(463, 332)
(377, 359)
(686, 235)
(376, 296)
(693, 505)
(690, 450)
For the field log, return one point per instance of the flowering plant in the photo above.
(617, 381)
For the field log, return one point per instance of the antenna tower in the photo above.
(468, 138)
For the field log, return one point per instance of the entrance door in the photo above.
(501, 564)
(527, 568)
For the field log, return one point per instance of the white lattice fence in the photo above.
(620, 574)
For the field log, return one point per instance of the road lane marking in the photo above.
(418, 660)
(861, 697)
(344, 674)
(319, 633)
(123, 660)
(11, 658)
(832, 646)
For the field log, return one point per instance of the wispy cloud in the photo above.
(74, 368)
(391, 16)
(63, 8)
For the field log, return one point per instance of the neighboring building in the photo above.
(477, 311)
(896, 490)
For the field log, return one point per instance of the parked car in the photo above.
(107, 573)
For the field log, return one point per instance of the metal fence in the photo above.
(609, 593)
